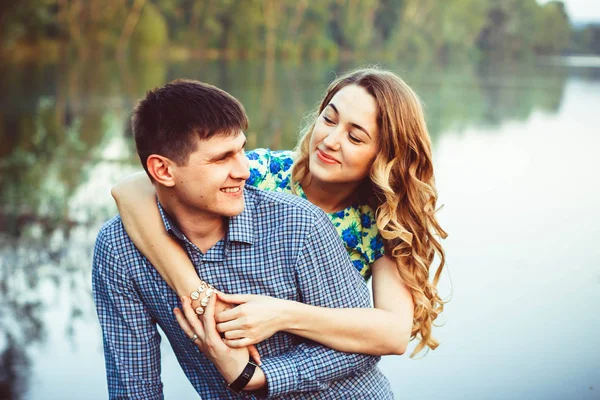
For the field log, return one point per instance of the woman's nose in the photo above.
(332, 140)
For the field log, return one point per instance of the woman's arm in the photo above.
(136, 199)
(382, 330)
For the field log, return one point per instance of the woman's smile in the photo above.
(326, 158)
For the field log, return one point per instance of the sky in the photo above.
(581, 10)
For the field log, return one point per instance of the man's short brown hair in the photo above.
(170, 119)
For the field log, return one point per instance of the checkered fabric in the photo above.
(281, 246)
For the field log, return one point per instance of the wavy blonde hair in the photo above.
(400, 188)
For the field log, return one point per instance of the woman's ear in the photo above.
(161, 169)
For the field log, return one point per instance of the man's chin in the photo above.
(233, 210)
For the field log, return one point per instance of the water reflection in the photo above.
(64, 141)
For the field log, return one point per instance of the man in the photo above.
(190, 140)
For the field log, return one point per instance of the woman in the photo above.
(367, 149)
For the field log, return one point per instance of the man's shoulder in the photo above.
(279, 202)
(113, 238)
(112, 230)
(114, 250)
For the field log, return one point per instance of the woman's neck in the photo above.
(330, 197)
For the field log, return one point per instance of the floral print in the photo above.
(271, 170)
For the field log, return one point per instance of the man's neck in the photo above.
(202, 229)
(329, 197)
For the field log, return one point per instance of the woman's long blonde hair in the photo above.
(400, 188)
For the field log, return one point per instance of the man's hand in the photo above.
(229, 361)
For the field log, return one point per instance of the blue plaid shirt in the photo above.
(280, 246)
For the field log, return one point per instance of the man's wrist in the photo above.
(231, 369)
(251, 379)
(258, 381)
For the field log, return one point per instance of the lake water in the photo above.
(516, 166)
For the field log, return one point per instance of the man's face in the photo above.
(212, 181)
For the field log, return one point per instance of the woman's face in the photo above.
(344, 140)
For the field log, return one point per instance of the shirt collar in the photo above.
(240, 228)
(170, 226)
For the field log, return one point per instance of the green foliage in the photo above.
(553, 31)
(26, 20)
(150, 31)
(422, 29)
(353, 23)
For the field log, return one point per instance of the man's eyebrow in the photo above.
(228, 153)
(351, 123)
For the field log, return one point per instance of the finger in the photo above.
(238, 343)
(229, 326)
(222, 306)
(235, 298)
(237, 334)
(183, 324)
(208, 318)
(192, 318)
(228, 315)
(253, 351)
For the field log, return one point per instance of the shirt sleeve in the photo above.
(325, 278)
(131, 339)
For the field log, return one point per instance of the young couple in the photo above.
(254, 289)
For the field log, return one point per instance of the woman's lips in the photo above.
(326, 158)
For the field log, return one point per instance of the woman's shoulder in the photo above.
(270, 170)
(268, 154)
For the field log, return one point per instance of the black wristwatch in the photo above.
(240, 383)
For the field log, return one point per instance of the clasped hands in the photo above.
(254, 319)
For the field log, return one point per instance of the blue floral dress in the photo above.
(272, 170)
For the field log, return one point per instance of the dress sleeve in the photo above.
(270, 170)
(377, 247)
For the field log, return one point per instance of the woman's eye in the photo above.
(353, 138)
(327, 120)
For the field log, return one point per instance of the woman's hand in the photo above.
(221, 306)
(255, 319)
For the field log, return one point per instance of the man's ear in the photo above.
(161, 169)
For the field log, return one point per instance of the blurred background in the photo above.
(512, 96)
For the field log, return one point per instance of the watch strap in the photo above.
(240, 383)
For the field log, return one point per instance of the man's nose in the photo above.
(241, 170)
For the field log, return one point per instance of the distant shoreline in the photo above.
(579, 60)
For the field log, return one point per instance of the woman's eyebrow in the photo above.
(351, 123)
